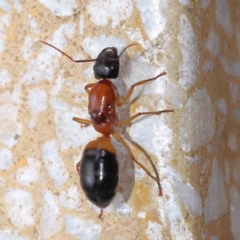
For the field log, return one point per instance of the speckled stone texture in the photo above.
(195, 149)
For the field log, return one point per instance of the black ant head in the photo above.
(107, 64)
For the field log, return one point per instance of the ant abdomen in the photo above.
(99, 172)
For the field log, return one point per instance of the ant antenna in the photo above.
(124, 51)
(126, 48)
(77, 61)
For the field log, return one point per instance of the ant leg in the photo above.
(129, 120)
(119, 138)
(100, 214)
(82, 121)
(86, 88)
(78, 167)
(130, 91)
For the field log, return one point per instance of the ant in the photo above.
(98, 168)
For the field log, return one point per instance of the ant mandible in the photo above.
(98, 168)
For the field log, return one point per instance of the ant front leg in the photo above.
(129, 120)
(130, 91)
(119, 138)
(86, 88)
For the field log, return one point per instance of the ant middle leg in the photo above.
(119, 138)
(129, 120)
(85, 122)
(130, 91)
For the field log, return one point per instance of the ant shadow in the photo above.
(126, 165)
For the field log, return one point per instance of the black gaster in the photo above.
(99, 176)
(107, 64)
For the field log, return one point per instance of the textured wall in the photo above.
(195, 149)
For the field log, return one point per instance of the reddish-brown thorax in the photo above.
(102, 106)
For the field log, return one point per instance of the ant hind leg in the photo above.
(119, 138)
(78, 167)
(101, 214)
